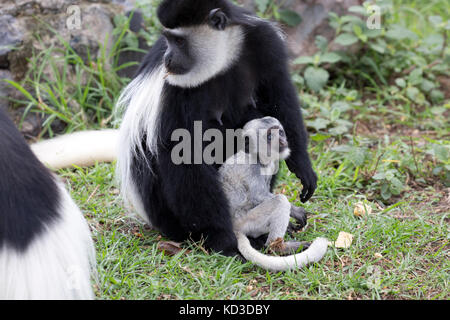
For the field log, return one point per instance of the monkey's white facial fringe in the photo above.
(214, 51)
(142, 100)
(58, 263)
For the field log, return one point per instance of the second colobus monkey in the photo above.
(46, 250)
(255, 211)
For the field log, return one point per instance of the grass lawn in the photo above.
(398, 252)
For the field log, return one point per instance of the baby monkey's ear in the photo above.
(217, 19)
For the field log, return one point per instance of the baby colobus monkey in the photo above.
(46, 250)
(255, 210)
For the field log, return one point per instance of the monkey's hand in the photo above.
(307, 176)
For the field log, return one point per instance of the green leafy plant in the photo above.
(392, 55)
(79, 93)
(274, 9)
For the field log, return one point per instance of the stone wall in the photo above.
(22, 20)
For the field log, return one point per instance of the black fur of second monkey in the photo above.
(185, 201)
(28, 193)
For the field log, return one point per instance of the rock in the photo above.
(85, 25)
(314, 15)
(5, 89)
(10, 37)
(314, 22)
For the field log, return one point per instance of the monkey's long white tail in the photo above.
(314, 253)
(82, 148)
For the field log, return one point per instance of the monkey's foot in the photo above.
(292, 247)
(278, 245)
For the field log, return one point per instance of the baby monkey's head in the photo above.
(265, 139)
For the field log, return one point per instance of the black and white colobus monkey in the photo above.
(255, 210)
(214, 63)
(46, 250)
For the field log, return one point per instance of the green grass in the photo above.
(412, 239)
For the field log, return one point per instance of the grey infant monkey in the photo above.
(255, 211)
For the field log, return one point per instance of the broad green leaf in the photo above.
(351, 19)
(342, 148)
(379, 176)
(342, 106)
(262, 5)
(389, 175)
(385, 192)
(372, 33)
(334, 114)
(412, 93)
(436, 21)
(316, 78)
(396, 186)
(346, 39)
(319, 137)
(303, 60)
(321, 43)
(358, 31)
(438, 110)
(400, 82)
(330, 57)
(437, 96)
(298, 79)
(436, 171)
(427, 85)
(441, 152)
(357, 156)
(318, 123)
(415, 77)
(358, 9)
(334, 20)
(377, 47)
(338, 130)
(290, 17)
(398, 32)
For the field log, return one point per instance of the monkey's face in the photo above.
(177, 59)
(197, 53)
(267, 139)
(277, 141)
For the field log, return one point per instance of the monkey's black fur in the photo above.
(186, 201)
(181, 13)
(28, 193)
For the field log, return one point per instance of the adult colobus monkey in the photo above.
(218, 64)
(46, 250)
(255, 210)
